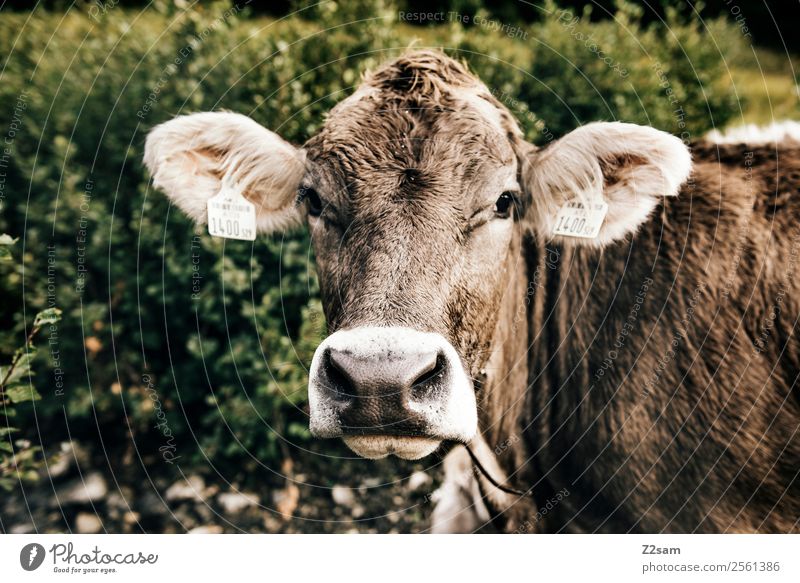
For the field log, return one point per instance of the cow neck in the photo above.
(528, 362)
(501, 398)
(548, 268)
(497, 452)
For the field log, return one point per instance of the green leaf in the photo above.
(7, 430)
(5, 255)
(6, 446)
(22, 367)
(48, 316)
(21, 394)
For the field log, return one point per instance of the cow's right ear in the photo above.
(620, 170)
(190, 155)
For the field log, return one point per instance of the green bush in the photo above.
(20, 459)
(198, 347)
(568, 71)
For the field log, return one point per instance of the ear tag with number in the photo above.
(575, 220)
(230, 214)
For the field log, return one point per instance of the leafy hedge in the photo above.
(198, 347)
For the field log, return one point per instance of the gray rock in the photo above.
(371, 482)
(131, 518)
(235, 502)
(116, 504)
(207, 529)
(86, 523)
(272, 523)
(343, 496)
(70, 455)
(368, 484)
(358, 511)
(91, 488)
(190, 489)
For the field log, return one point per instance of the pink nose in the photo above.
(378, 390)
(390, 381)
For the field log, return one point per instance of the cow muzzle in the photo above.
(390, 390)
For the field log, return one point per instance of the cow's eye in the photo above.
(314, 201)
(502, 208)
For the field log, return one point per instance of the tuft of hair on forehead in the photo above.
(422, 73)
(420, 98)
(433, 81)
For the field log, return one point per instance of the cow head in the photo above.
(416, 192)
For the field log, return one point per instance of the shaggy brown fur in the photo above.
(687, 421)
(691, 424)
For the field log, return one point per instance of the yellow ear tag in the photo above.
(575, 220)
(230, 214)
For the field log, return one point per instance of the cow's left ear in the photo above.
(193, 157)
(624, 166)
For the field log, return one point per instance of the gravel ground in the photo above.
(328, 491)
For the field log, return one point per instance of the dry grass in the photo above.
(769, 83)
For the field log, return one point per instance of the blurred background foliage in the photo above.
(224, 330)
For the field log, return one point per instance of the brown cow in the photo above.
(633, 371)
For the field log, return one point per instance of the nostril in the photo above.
(425, 380)
(341, 385)
(383, 378)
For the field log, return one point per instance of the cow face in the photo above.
(416, 192)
